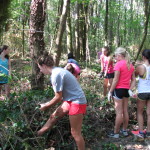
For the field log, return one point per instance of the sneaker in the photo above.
(124, 133)
(147, 135)
(140, 136)
(113, 135)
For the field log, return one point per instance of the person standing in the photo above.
(68, 91)
(107, 70)
(73, 66)
(124, 80)
(143, 72)
(71, 59)
(5, 69)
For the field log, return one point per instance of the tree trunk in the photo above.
(61, 31)
(77, 43)
(147, 15)
(82, 32)
(106, 24)
(37, 46)
(87, 22)
(69, 33)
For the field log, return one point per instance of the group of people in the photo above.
(119, 81)
(5, 71)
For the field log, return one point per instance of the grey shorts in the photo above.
(144, 96)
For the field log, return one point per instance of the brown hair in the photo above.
(46, 59)
(70, 68)
(4, 47)
(107, 49)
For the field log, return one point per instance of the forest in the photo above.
(82, 27)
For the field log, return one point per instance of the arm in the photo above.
(102, 65)
(9, 65)
(57, 98)
(115, 81)
(133, 81)
(140, 70)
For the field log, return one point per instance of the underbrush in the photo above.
(20, 117)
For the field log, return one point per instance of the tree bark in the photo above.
(37, 46)
(147, 16)
(61, 31)
(106, 24)
(77, 43)
(69, 33)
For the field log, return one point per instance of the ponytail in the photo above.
(125, 54)
(128, 59)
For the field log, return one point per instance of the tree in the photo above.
(4, 13)
(147, 16)
(37, 46)
(61, 31)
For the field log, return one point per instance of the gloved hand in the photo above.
(109, 96)
(101, 75)
(130, 93)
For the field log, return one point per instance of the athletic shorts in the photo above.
(109, 75)
(74, 108)
(144, 96)
(2, 83)
(120, 93)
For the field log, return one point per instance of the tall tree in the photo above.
(77, 43)
(147, 16)
(69, 33)
(4, 13)
(106, 23)
(37, 46)
(60, 32)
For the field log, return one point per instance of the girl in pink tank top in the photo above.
(106, 69)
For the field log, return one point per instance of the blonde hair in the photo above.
(122, 51)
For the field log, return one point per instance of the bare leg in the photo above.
(125, 113)
(76, 124)
(58, 114)
(105, 84)
(119, 114)
(109, 86)
(140, 109)
(110, 83)
(148, 116)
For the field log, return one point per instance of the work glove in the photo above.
(109, 96)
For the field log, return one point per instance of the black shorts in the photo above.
(109, 75)
(120, 93)
(2, 83)
(144, 96)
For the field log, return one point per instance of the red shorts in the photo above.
(74, 108)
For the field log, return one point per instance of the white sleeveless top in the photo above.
(144, 83)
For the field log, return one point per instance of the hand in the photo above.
(101, 75)
(109, 96)
(105, 74)
(43, 106)
(130, 93)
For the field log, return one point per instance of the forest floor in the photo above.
(100, 114)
